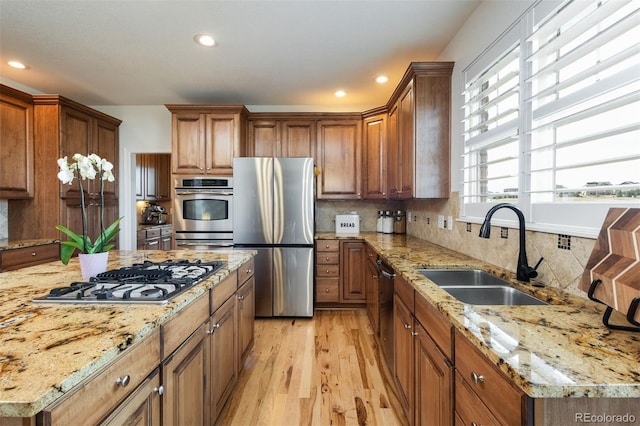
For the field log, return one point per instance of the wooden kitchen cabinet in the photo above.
(372, 290)
(224, 355)
(28, 256)
(154, 238)
(142, 407)
(17, 147)
(419, 133)
(403, 346)
(153, 177)
(327, 271)
(246, 311)
(63, 127)
(281, 135)
(206, 138)
(339, 150)
(374, 164)
(354, 263)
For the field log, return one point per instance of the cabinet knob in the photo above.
(240, 297)
(33, 253)
(248, 271)
(407, 326)
(414, 333)
(123, 381)
(159, 390)
(326, 258)
(326, 290)
(327, 271)
(326, 246)
(477, 378)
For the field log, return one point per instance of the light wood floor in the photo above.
(319, 371)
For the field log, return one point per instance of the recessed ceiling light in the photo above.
(382, 79)
(19, 65)
(204, 40)
(341, 93)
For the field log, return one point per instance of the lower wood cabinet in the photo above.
(353, 262)
(28, 256)
(224, 357)
(403, 352)
(372, 290)
(142, 407)
(246, 312)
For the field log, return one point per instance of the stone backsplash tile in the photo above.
(4, 219)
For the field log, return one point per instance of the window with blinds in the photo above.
(553, 124)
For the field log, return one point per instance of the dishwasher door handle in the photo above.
(387, 274)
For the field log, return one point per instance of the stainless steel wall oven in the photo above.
(203, 211)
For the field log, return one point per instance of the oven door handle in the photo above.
(204, 244)
(227, 194)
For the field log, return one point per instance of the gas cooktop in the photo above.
(148, 282)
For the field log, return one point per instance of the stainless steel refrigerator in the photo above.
(274, 214)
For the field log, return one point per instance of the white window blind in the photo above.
(577, 143)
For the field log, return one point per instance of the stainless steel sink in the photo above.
(465, 277)
(492, 295)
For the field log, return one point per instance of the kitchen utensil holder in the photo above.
(633, 308)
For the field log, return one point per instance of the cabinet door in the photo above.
(393, 154)
(188, 143)
(406, 137)
(246, 315)
(76, 133)
(140, 176)
(298, 138)
(339, 157)
(433, 382)
(163, 176)
(105, 144)
(375, 157)
(403, 353)
(262, 138)
(353, 271)
(17, 148)
(183, 376)
(150, 177)
(222, 142)
(142, 407)
(373, 299)
(224, 358)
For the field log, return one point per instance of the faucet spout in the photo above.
(523, 271)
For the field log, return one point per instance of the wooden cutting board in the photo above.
(615, 260)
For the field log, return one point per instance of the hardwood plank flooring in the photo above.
(325, 370)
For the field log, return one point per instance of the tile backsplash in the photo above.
(4, 220)
(562, 267)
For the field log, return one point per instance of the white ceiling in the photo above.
(269, 52)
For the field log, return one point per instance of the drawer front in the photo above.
(404, 291)
(223, 291)
(327, 245)
(184, 324)
(166, 230)
(469, 408)
(246, 271)
(436, 325)
(103, 392)
(153, 232)
(327, 258)
(28, 256)
(327, 290)
(332, 271)
(497, 393)
(372, 256)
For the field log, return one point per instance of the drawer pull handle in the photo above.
(327, 246)
(213, 328)
(123, 381)
(414, 333)
(326, 258)
(407, 326)
(33, 253)
(477, 378)
(159, 390)
(327, 271)
(240, 297)
(326, 290)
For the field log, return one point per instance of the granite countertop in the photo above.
(15, 244)
(46, 348)
(553, 351)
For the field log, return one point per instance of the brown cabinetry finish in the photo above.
(374, 180)
(206, 138)
(224, 357)
(372, 290)
(142, 407)
(353, 271)
(339, 159)
(401, 172)
(403, 353)
(327, 271)
(246, 310)
(281, 137)
(28, 256)
(153, 177)
(17, 147)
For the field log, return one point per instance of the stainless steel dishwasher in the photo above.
(385, 283)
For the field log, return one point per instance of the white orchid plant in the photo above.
(87, 167)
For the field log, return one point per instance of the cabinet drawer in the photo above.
(436, 325)
(503, 399)
(327, 290)
(166, 230)
(29, 256)
(469, 408)
(328, 271)
(327, 245)
(153, 232)
(223, 291)
(404, 291)
(246, 271)
(184, 324)
(327, 258)
(99, 394)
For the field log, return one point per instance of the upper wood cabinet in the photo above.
(206, 138)
(281, 136)
(419, 132)
(374, 164)
(153, 177)
(339, 150)
(16, 144)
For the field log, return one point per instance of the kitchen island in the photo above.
(559, 353)
(48, 349)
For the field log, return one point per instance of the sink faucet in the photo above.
(524, 272)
